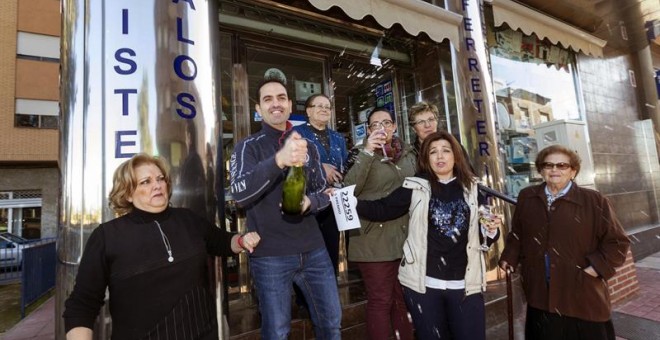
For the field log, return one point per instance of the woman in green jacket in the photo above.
(376, 247)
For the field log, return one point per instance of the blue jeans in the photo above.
(312, 271)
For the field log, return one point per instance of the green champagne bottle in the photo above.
(293, 191)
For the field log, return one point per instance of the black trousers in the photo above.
(328, 226)
(542, 325)
(446, 314)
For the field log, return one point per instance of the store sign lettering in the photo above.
(127, 60)
(476, 79)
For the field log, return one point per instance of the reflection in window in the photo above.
(36, 121)
(31, 223)
(4, 220)
(20, 213)
(27, 121)
(550, 89)
(534, 82)
(49, 122)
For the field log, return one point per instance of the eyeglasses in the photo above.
(423, 122)
(560, 166)
(386, 124)
(322, 107)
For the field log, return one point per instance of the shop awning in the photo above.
(530, 21)
(414, 15)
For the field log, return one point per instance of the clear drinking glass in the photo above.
(385, 158)
(485, 216)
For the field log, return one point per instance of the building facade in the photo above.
(29, 117)
(551, 76)
(582, 73)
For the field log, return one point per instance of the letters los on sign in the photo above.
(184, 67)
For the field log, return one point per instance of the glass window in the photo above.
(36, 121)
(431, 80)
(535, 87)
(37, 113)
(20, 213)
(50, 122)
(358, 88)
(4, 220)
(27, 121)
(31, 226)
(549, 91)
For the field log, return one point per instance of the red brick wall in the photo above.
(624, 283)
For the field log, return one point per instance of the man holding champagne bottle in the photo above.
(291, 248)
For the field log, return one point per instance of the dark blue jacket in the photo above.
(256, 185)
(338, 153)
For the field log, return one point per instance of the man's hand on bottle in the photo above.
(293, 153)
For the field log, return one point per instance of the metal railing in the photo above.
(11, 260)
(32, 265)
(38, 272)
(492, 192)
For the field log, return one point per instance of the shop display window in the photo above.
(535, 84)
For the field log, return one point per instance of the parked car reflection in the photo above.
(11, 250)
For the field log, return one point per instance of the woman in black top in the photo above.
(443, 268)
(153, 261)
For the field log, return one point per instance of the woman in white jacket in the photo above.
(443, 268)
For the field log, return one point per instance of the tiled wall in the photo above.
(624, 152)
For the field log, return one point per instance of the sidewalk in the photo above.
(636, 318)
(39, 325)
(639, 317)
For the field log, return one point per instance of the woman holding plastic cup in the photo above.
(443, 266)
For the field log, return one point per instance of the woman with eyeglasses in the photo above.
(568, 243)
(333, 153)
(381, 163)
(424, 121)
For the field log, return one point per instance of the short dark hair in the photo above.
(462, 169)
(573, 157)
(268, 81)
(310, 99)
(379, 109)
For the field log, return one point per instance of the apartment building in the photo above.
(29, 116)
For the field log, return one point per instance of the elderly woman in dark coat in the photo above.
(568, 242)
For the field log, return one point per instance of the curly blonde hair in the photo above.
(124, 181)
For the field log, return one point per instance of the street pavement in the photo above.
(635, 318)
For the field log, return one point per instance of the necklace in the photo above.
(166, 242)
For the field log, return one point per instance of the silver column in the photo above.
(478, 134)
(475, 87)
(476, 104)
(136, 76)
